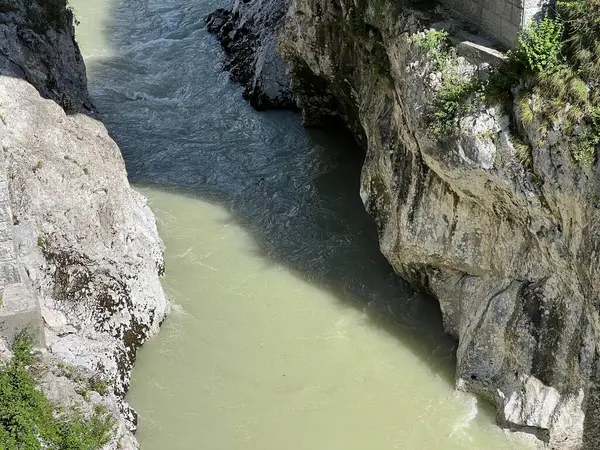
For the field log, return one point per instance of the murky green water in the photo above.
(290, 330)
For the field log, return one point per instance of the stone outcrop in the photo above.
(248, 33)
(507, 244)
(37, 44)
(19, 306)
(81, 252)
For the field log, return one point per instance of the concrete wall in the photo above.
(501, 19)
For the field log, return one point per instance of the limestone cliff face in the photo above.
(37, 44)
(509, 249)
(85, 244)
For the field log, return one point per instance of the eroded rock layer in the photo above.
(508, 247)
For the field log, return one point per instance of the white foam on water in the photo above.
(462, 425)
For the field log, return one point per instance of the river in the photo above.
(290, 330)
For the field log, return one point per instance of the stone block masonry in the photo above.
(500, 19)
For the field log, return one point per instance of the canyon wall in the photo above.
(82, 243)
(507, 243)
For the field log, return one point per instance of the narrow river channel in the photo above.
(290, 331)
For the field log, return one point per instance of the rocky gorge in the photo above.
(78, 242)
(506, 242)
(495, 213)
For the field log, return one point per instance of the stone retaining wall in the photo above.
(501, 19)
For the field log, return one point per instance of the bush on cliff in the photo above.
(45, 15)
(559, 73)
(539, 46)
(555, 68)
(28, 420)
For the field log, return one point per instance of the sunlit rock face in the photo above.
(86, 244)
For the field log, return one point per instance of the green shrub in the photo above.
(44, 241)
(555, 66)
(44, 15)
(451, 99)
(558, 67)
(539, 47)
(450, 103)
(437, 45)
(28, 418)
(582, 44)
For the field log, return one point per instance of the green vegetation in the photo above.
(29, 421)
(85, 385)
(555, 68)
(539, 46)
(100, 385)
(44, 241)
(560, 70)
(437, 45)
(451, 103)
(451, 100)
(44, 15)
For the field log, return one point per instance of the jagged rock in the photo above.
(37, 44)
(509, 248)
(87, 241)
(510, 251)
(81, 241)
(73, 387)
(248, 33)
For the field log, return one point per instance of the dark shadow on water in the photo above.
(182, 125)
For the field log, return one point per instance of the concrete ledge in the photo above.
(477, 49)
(20, 310)
(479, 54)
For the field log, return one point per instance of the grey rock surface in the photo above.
(73, 386)
(37, 44)
(248, 33)
(20, 310)
(87, 241)
(80, 249)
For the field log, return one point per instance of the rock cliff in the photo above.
(85, 243)
(248, 33)
(38, 45)
(507, 243)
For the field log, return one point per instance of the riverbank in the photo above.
(85, 244)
